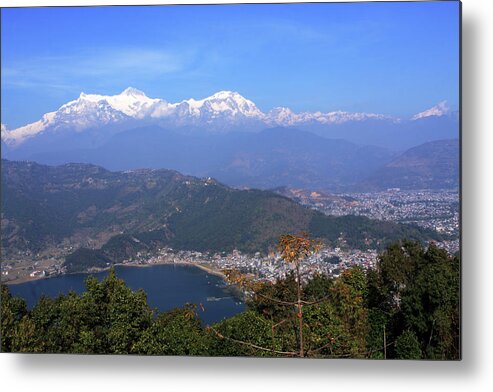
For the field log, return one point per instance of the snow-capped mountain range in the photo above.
(222, 111)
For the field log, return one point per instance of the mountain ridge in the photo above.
(432, 165)
(85, 206)
(272, 157)
(223, 111)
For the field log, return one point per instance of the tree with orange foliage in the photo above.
(294, 249)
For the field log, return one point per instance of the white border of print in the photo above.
(87, 373)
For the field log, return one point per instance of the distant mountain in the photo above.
(400, 135)
(117, 214)
(433, 165)
(439, 110)
(293, 158)
(273, 157)
(92, 119)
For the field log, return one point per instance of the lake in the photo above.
(166, 286)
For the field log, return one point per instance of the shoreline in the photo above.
(203, 267)
(207, 269)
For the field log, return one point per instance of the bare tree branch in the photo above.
(379, 349)
(279, 323)
(221, 336)
(317, 301)
(285, 303)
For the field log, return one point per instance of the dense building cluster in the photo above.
(437, 210)
(330, 261)
(432, 209)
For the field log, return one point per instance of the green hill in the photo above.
(126, 212)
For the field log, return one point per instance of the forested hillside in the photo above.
(124, 212)
(407, 308)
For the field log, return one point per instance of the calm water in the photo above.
(167, 287)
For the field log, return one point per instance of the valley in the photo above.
(76, 217)
(216, 181)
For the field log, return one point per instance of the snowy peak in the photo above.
(131, 102)
(285, 117)
(223, 111)
(85, 113)
(226, 94)
(282, 116)
(439, 110)
(225, 102)
(131, 91)
(340, 117)
(16, 136)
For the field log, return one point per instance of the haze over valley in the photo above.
(226, 136)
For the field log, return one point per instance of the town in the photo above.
(330, 261)
(438, 210)
(433, 209)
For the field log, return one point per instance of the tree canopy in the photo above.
(408, 307)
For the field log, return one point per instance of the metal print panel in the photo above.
(271, 180)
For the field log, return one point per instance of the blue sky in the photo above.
(391, 58)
